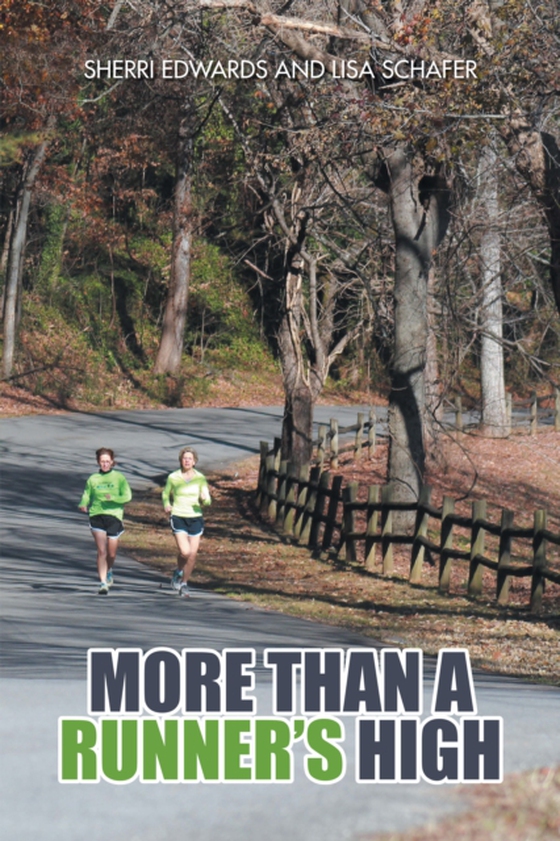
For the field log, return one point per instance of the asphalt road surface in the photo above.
(51, 615)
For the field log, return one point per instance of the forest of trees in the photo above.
(286, 198)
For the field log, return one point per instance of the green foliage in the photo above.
(220, 313)
(11, 146)
(91, 325)
(56, 216)
(193, 385)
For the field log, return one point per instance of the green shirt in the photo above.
(187, 497)
(98, 486)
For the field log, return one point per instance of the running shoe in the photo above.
(176, 579)
(103, 589)
(110, 578)
(184, 591)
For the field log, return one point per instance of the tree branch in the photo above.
(278, 24)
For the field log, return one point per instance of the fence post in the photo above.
(335, 497)
(509, 411)
(261, 485)
(534, 413)
(387, 529)
(290, 508)
(420, 530)
(371, 528)
(557, 409)
(303, 490)
(371, 433)
(317, 515)
(307, 513)
(322, 445)
(282, 491)
(539, 560)
(334, 444)
(477, 547)
(504, 557)
(349, 495)
(446, 543)
(458, 414)
(359, 436)
(271, 485)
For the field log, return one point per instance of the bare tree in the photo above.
(29, 172)
(420, 214)
(395, 31)
(170, 350)
(493, 391)
(313, 281)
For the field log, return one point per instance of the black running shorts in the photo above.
(111, 525)
(193, 526)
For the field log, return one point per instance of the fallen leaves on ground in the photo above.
(525, 807)
(242, 556)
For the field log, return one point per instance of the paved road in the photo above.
(51, 615)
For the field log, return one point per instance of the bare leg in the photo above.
(101, 541)
(188, 549)
(194, 543)
(112, 546)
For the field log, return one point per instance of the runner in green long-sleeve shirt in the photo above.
(104, 496)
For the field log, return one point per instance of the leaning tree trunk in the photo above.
(537, 158)
(170, 352)
(297, 423)
(494, 410)
(419, 211)
(16, 254)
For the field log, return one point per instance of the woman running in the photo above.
(103, 498)
(185, 492)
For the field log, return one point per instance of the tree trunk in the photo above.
(297, 423)
(6, 245)
(434, 391)
(420, 216)
(168, 360)
(16, 254)
(494, 410)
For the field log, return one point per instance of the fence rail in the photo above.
(311, 507)
(365, 435)
(529, 413)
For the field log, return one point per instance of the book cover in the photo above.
(305, 230)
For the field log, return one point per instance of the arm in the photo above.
(166, 496)
(204, 494)
(84, 502)
(125, 494)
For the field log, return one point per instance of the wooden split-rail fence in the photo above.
(311, 507)
(528, 414)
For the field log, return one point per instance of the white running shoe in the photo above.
(176, 579)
